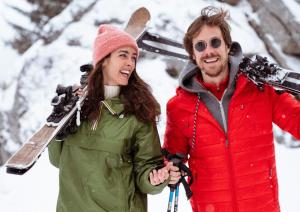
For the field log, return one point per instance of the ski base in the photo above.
(17, 171)
(26, 156)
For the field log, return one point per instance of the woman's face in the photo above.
(118, 67)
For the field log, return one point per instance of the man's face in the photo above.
(211, 54)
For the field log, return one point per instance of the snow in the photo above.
(24, 5)
(288, 172)
(16, 18)
(37, 190)
(42, 67)
(58, 23)
(294, 7)
(9, 70)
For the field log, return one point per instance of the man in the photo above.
(224, 123)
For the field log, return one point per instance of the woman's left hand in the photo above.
(159, 176)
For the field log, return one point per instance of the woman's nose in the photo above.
(130, 63)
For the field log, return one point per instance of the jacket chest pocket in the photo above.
(118, 151)
(98, 142)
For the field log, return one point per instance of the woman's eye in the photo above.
(123, 55)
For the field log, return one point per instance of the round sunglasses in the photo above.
(214, 42)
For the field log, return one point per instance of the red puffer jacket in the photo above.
(233, 171)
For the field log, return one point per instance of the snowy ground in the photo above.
(36, 191)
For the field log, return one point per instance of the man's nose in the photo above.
(208, 49)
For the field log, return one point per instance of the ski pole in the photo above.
(170, 199)
(176, 198)
(177, 160)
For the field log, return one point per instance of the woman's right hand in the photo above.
(79, 92)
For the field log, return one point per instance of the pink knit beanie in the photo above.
(109, 39)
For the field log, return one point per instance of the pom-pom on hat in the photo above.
(109, 39)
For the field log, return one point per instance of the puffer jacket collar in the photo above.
(187, 78)
(218, 108)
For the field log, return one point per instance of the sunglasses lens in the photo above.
(200, 46)
(215, 43)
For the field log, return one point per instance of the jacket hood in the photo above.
(187, 78)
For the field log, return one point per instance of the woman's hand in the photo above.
(158, 176)
(79, 92)
(169, 171)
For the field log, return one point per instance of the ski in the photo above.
(137, 23)
(258, 69)
(30, 151)
(66, 107)
(161, 45)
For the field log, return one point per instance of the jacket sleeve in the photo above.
(286, 113)
(174, 139)
(147, 156)
(54, 152)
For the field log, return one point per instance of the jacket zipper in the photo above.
(96, 122)
(109, 108)
(222, 110)
(227, 148)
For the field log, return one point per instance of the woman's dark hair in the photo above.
(136, 96)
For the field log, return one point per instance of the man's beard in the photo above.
(216, 73)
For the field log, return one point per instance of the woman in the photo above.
(111, 163)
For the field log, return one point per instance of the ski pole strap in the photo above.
(177, 160)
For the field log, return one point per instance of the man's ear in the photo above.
(228, 50)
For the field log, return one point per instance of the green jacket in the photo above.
(107, 169)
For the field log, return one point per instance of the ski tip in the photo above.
(144, 11)
(140, 16)
(16, 171)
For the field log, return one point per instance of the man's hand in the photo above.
(174, 174)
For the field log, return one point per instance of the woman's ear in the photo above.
(105, 61)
